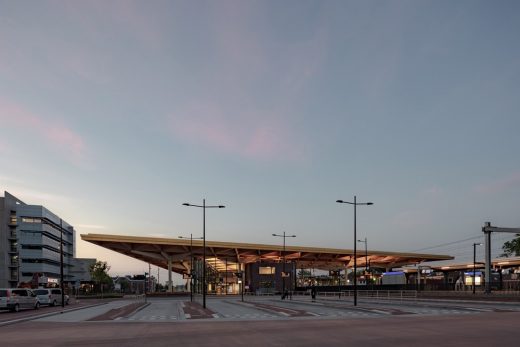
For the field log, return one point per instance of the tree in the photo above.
(99, 273)
(512, 247)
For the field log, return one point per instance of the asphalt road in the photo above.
(486, 329)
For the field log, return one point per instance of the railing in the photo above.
(373, 294)
(364, 294)
(136, 298)
(511, 286)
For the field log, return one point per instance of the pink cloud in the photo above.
(504, 183)
(230, 115)
(250, 135)
(58, 136)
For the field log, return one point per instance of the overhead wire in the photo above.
(462, 250)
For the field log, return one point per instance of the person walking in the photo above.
(313, 293)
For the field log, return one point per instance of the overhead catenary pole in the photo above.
(487, 229)
(475, 262)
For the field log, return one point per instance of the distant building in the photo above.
(30, 245)
(134, 284)
(80, 271)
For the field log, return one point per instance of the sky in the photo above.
(114, 113)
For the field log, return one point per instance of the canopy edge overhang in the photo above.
(123, 244)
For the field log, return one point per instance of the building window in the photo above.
(266, 270)
(31, 220)
(31, 247)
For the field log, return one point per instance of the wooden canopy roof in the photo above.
(225, 256)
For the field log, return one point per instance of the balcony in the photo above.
(13, 222)
(14, 264)
(13, 235)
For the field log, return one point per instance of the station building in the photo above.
(257, 268)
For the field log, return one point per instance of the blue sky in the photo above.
(114, 113)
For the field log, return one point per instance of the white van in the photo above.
(50, 296)
(15, 299)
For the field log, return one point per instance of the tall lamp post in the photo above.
(366, 253)
(355, 203)
(61, 265)
(191, 262)
(61, 257)
(475, 262)
(283, 259)
(204, 207)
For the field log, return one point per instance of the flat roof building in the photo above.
(30, 244)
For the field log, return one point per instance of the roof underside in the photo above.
(225, 256)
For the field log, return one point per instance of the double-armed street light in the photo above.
(355, 203)
(283, 259)
(204, 207)
(474, 262)
(191, 261)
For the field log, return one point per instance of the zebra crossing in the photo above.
(152, 318)
(248, 316)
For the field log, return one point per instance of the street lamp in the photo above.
(283, 258)
(204, 207)
(366, 253)
(191, 262)
(474, 262)
(355, 203)
(61, 257)
(366, 260)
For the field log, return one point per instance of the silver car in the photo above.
(50, 296)
(15, 299)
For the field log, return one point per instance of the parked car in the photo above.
(50, 296)
(15, 299)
